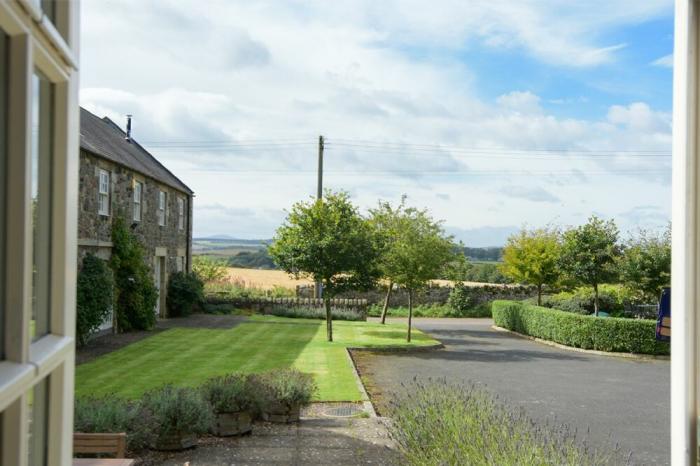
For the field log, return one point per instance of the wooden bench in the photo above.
(110, 444)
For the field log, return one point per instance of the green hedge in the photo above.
(580, 331)
(481, 310)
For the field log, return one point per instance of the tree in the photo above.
(645, 266)
(136, 293)
(385, 221)
(532, 257)
(327, 240)
(418, 254)
(208, 269)
(589, 254)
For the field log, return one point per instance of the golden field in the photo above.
(264, 279)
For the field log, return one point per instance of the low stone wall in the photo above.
(273, 306)
(434, 295)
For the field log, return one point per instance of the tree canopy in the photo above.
(532, 257)
(589, 254)
(328, 241)
(645, 266)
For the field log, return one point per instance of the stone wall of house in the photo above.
(95, 230)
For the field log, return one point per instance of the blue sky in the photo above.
(458, 106)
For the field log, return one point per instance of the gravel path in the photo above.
(624, 399)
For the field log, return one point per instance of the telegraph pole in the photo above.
(319, 196)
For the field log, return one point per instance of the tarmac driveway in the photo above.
(624, 401)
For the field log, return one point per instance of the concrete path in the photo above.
(623, 399)
(313, 441)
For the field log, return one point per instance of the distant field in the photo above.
(265, 279)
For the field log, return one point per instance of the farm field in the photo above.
(264, 279)
(188, 356)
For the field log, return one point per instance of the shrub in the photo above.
(177, 410)
(612, 299)
(208, 269)
(229, 394)
(114, 415)
(481, 310)
(185, 292)
(580, 331)
(315, 313)
(286, 387)
(94, 297)
(136, 294)
(461, 297)
(436, 423)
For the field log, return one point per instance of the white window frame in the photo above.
(180, 213)
(138, 201)
(162, 208)
(104, 186)
(52, 49)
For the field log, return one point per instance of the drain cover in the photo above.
(343, 411)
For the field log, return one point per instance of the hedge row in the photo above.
(580, 331)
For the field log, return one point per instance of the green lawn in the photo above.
(188, 356)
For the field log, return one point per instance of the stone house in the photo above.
(119, 178)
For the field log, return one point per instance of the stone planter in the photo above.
(281, 413)
(228, 424)
(176, 441)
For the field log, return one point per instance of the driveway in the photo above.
(623, 400)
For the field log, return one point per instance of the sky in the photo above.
(492, 114)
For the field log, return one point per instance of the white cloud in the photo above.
(666, 61)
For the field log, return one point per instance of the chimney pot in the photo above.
(128, 128)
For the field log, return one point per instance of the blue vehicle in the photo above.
(663, 321)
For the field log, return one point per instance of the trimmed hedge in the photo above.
(580, 331)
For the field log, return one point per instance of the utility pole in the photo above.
(319, 196)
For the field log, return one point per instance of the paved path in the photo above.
(313, 441)
(628, 399)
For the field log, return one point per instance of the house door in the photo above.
(158, 280)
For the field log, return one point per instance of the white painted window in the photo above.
(138, 191)
(180, 213)
(39, 125)
(162, 207)
(103, 195)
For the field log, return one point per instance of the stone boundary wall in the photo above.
(270, 305)
(434, 295)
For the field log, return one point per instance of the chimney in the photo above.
(128, 128)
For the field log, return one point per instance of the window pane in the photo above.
(38, 423)
(3, 157)
(42, 137)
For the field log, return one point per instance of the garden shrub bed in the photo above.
(305, 308)
(580, 331)
(482, 310)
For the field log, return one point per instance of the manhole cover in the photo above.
(343, 411)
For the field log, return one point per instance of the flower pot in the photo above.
(176, 441)
(228, 424)
(281, 413)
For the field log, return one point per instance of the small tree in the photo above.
(208, 269)
(419, 253)
(385, 221)
(136, 294)
(327, 240)
(645, 266)
(589, 253)
(185, 293)
(532, 257)
(94, 297)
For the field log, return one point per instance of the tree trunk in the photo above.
(329, 318)
(410, 314)
(539, 294)
(386, 301)
(595, 299)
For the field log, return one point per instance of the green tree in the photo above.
(209, 269)
(420, 252)
(327, 240)
(532, 257)
(386, 221)
(94, 297)
(589, 254)
(136, 293)
(645, 266)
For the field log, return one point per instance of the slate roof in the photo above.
(103, 138)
